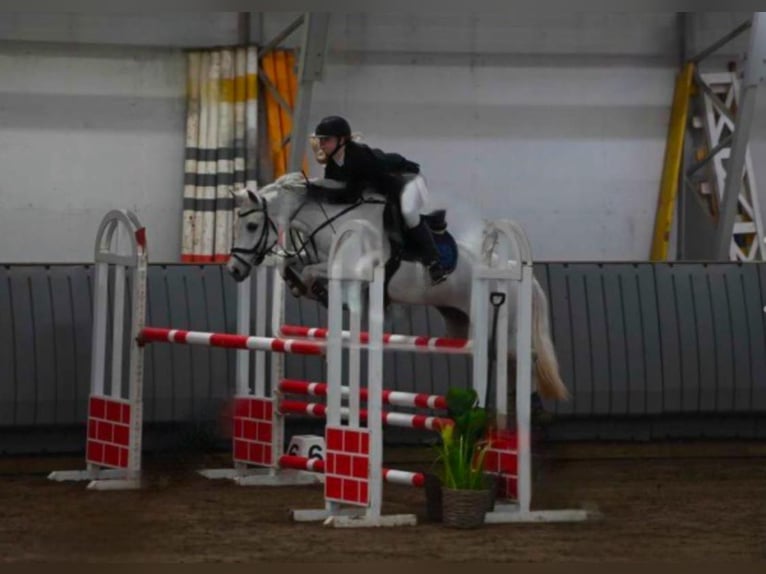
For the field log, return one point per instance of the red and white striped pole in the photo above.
(387, 418)
(317, 465)
(225, 340)
(297, 346)
(394, 398)
(392, 340)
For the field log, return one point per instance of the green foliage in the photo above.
(463, 445)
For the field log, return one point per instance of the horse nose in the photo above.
(237, 273)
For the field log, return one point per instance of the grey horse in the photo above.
(308, 213)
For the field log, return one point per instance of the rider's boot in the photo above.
(421, 238)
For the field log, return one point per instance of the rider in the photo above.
(358, 165)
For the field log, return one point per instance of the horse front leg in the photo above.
(315, 278)
(306, 281)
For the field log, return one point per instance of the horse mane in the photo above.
(294, 181)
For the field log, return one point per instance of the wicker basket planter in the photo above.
(466, 491)
(463, 508)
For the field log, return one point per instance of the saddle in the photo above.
(436, 221)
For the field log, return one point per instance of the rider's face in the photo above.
(328, 144)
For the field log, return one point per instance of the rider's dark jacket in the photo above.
(364, 166)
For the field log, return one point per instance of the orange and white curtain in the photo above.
(221, 139)
(279, 67)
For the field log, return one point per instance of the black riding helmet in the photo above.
(333, 126)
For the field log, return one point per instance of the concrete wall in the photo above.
(85, 130)
(558, 121)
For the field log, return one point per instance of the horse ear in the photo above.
(238, 196)
(253, 197)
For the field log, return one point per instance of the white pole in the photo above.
(277, 303)
(242, 357)
(98, 348)
(524, 388)
(375, 390)
(479, 293)
(261, 306)
(334, 351)
(277, 319)
(243, 328)
(122, 476)
(118, 316)
(136, 368)
(354, 298)
(334, 354)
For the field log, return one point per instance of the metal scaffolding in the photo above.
(720, 108)
(310, 69)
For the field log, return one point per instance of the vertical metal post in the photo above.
(686, 46)
(754, 73)
(685, 29)
(243, 28)
(310, 69)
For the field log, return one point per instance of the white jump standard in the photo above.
(353, 471)
(115, 417)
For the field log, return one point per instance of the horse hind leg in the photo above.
(457, 324)
(539, 415)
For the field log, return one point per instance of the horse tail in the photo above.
(549, 383)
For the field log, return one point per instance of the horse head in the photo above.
(260, 215)
(256, 235)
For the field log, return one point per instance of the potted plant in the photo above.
(466, 492)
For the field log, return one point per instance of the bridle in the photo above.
(255, 255)
(258, 252)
